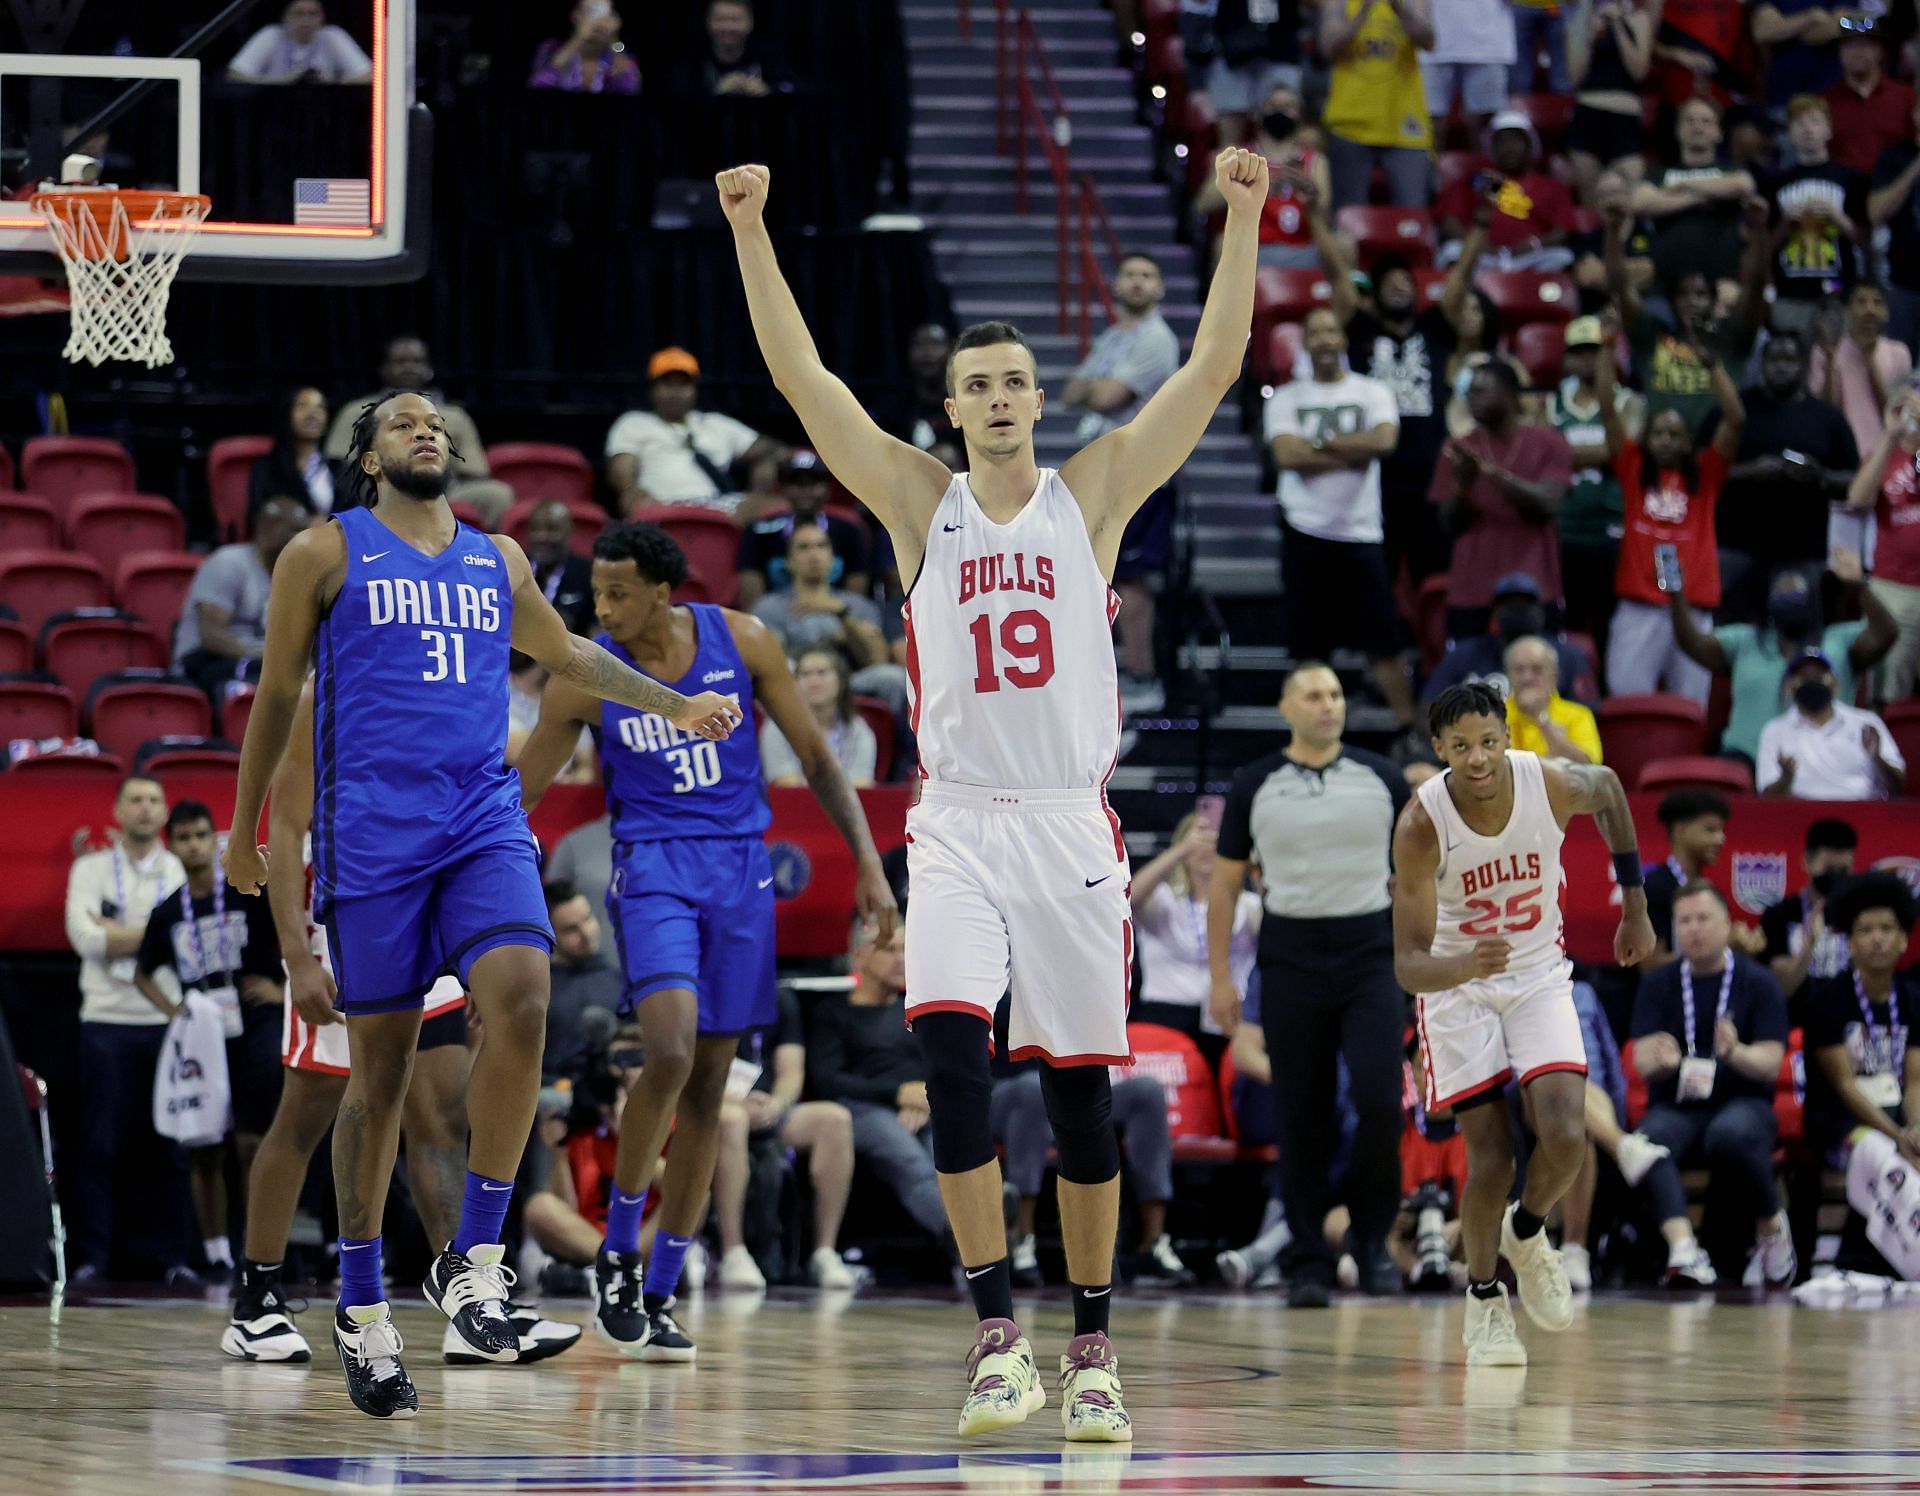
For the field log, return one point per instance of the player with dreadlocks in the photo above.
(423, 863)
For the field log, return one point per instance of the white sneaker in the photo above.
(1090, 1403)
(739, 1270)
(1688, 1266)
(827, 1269)
(1541, 1276)
(1638, 1153)
(1490, 1336)
(1235, 1271)
(1003, 1383)
(1023, 1261)
(693, 1270)
(1773, 1264)
(1579, 1265)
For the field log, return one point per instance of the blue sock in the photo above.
(623, 1220)
(663, 1273)
(483, 1213)
(360, 1272)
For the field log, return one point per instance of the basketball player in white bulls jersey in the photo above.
(1018, 875)
(314, 1055)
(1478, 939)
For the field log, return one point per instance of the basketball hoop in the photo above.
(121, 250)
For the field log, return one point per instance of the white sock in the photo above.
(1685, 1247)
(219, 1254)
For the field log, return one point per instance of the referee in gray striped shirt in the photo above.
(1319, 818)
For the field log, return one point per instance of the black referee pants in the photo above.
(1327, 992)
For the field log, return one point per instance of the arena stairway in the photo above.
(999, 264)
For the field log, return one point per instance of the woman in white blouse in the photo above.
(1170, 923)
(821, 675)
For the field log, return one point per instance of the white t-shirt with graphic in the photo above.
(1343, 504)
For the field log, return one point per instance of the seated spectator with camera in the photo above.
(1709, 1031)
(1801, 945)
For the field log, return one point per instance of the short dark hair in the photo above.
(1875, 890)
(1390, 261)
(559, 892)
(1300, 667)
(127, 779)
(1689, 804)
(1791, 335)
(186, 813)
(1498, 369)
(986, 335)
(1140, 254)
(655, 554)
(1471, 699)
(1699, 887)
(1831, 834)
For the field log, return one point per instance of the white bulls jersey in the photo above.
(1507, 885)
(1010, 647)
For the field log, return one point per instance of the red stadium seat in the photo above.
(1379, 231)
(201, 756)
(711, 540)
(55, 772)
(1541, 348)
(1285, 296)
(64, 467)
(229, 472)
(468, 515)
(1454, 166)
(235, 712)
(589, 519)
(107, 526)
(879, 717)
(1283, 350)
(34, 709)
(542, 470)
(38, 584)
(1432, 284)
(153, 585)
(1789, 1110)
(1665, 774)
(1430, 621)
(1636, 730)
(78, 651)
(16, 648)
(693, 590)
(1903, 721)
(123, 717)
(1550, 113)
(27, 523)
(1530, 295)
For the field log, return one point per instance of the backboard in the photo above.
(299, 123)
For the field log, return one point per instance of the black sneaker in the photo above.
(618, 1315)
(471, 1290)
(262, 1328)
(1311, 1287)
(1378, 1276)
(540, 1339)
(369, 1348)
(664, 1340)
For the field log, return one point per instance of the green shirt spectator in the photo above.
(1757, 664)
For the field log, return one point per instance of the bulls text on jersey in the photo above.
(996, 573)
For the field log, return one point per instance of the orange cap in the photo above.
(673, 361)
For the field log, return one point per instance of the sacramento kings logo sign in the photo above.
(1759, 880)
(792, 869)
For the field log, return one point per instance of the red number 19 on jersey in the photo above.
(1026, 639)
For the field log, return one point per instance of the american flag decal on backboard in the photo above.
(344, 201)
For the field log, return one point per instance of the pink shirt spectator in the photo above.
(1854, 390)
(1495, 537)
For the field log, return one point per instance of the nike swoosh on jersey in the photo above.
(951, 528)
(1096, 882)
(766, 883)
(375, 556)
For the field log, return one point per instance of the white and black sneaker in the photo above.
(262, 1327)
(618, 1315)
(369, 1348)
(540, 1339)
(664, 1340)
(470, 1288)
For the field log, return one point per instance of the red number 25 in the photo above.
(1522, 913)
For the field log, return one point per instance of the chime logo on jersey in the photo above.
(456, 605)
(1001, 573)
(1513, 868)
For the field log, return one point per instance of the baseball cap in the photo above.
(1584, 332)
(673, 361)
(1516, 584)
(1807, 657)
(803, 462)
(1513, 119)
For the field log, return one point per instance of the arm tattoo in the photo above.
(598, 673)
(842, 805)
(1598, 790)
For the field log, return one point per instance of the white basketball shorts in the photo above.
(1028, 890)
(323, 1048)
(1479, 1036)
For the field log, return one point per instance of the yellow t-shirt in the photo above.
(1377, 97)
(1575, 720)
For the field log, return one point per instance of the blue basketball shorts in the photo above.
(698, 914)
(390, 948)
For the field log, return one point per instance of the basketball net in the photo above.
(121, 251)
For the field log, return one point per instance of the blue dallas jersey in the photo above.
(410, 711)
(664, 784)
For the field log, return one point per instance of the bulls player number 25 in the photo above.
(1518, 915)
(1025, 640)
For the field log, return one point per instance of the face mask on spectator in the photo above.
(1517, 620)
(1813, 696)
(1791, 616)
(1279, 125)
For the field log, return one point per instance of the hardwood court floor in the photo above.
(793, 1394)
